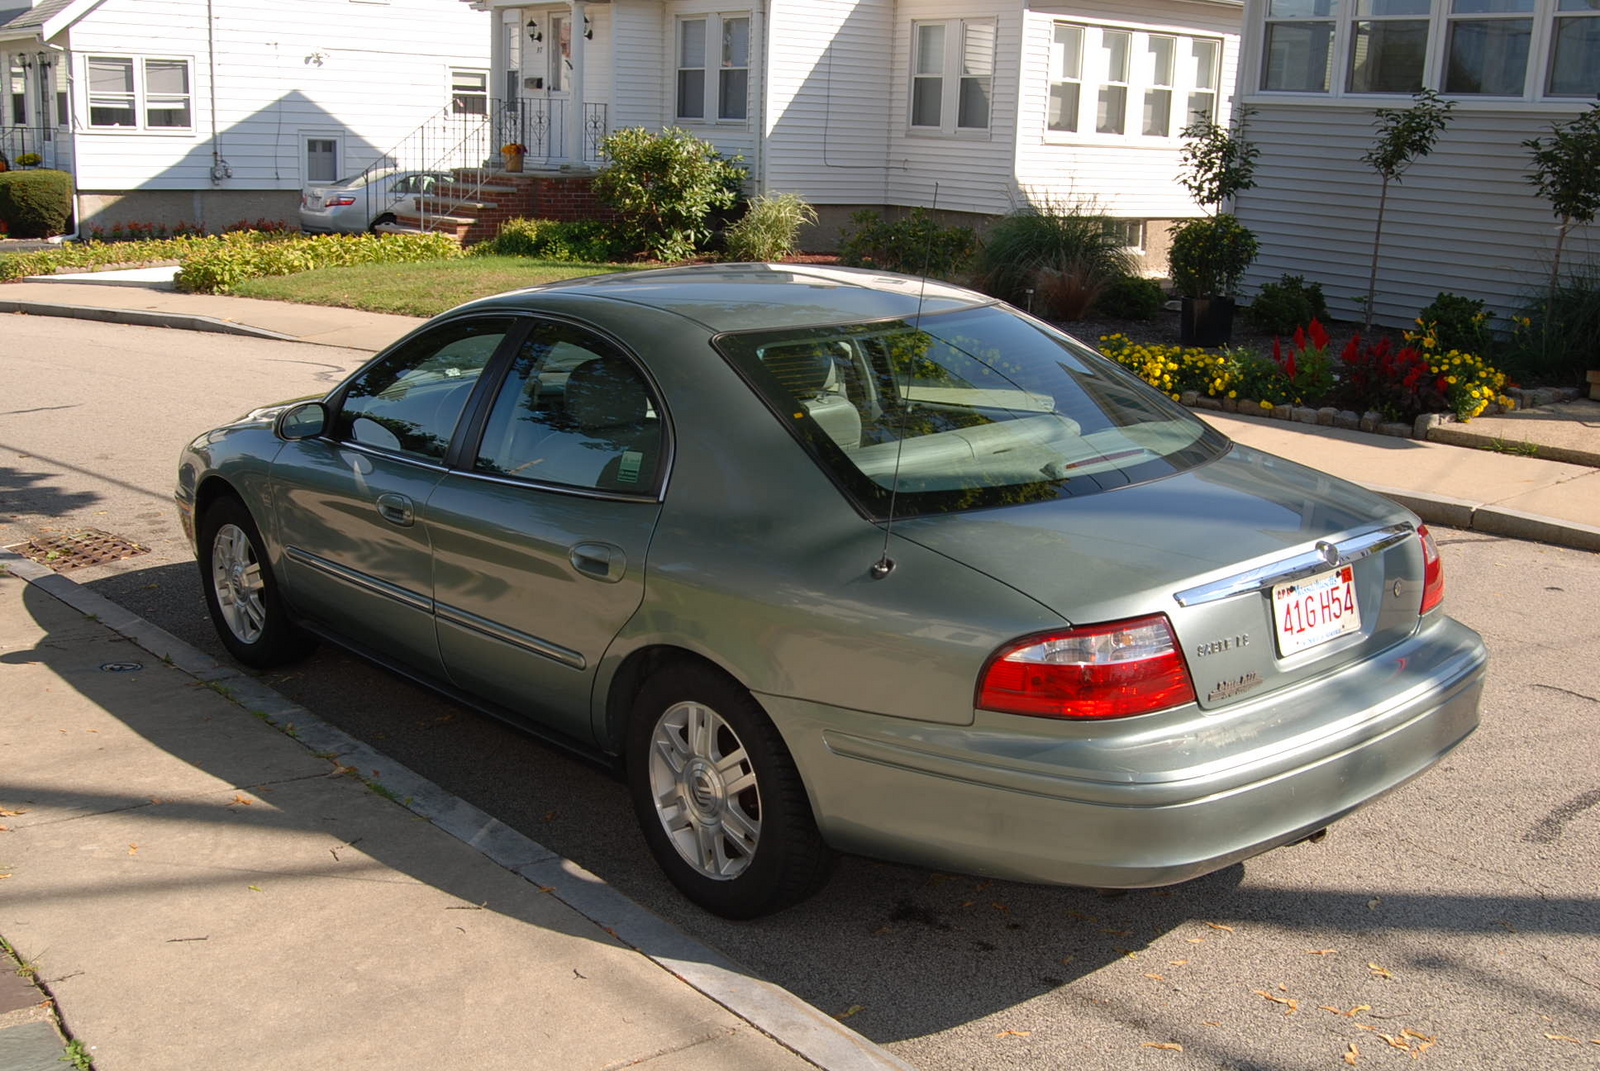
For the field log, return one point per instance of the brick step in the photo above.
(447, 205)
(412, 223)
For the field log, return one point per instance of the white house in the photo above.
(1463, 219)
(967, 106)
(213, 111)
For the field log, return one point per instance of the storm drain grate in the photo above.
(87, 546)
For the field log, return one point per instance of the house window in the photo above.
(733, 80)
(952, 74)
(469, 92)
(1066, 77)
(1140, 84)
(123, 89)
(19, 94)
(726, 96)
(1487, 51)
(1575, 50)
(1487, 48)
(1299, 45)
(322, 159)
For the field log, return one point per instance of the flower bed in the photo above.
(1370, 382)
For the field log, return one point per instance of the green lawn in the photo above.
(421, 289)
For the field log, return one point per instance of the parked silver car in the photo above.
(841, 560)
(361, 202)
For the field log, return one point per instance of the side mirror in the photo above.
(304, 421)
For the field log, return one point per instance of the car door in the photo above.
(350, 505)
(540, 534)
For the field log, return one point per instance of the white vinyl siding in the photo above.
(1464, 220)
(375, 74)
(1477, 50)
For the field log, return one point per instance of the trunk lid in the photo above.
(1206, 547)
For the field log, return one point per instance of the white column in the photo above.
(573, 150)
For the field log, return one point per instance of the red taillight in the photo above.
(1432, 572)
(337, 202)
(1099, 671)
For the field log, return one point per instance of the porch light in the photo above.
(533, 31)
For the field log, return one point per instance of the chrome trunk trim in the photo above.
(1307, 563)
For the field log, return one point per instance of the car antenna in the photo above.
(885, 564)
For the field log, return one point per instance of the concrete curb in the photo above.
(1493, 520)
(144, 318)
(771, 1009)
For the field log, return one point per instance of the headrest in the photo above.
(605, 392)
(804, 369)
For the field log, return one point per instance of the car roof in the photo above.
(743, 297)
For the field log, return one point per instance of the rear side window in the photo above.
(410, 400)
(966, 409)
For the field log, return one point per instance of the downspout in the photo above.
(760, 162)
(72, 111)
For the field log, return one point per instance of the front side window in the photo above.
(952, 74)
(135, 94)
(970, 409)
(469, 92)
(691, 69)
(573, 412)
(409, 401)
(733, 80)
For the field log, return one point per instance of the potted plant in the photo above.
(513, 153)
(29, 159)
(1209, 254)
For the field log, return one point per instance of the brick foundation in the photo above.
(479, 202)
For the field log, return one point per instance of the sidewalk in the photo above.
(196, 888)
(1461, 483)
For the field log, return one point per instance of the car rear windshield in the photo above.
(968, 409)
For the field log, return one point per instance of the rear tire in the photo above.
(387, 217)
(241, 590)
(718, 797)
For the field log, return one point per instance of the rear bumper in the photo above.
(1029, 800)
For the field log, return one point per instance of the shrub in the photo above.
(1065, 254)
(1289, 303)
(1458, 323)
(1553, 340)
(915, 244)
(1209, 255)
(93, 255)
(587, 241)
(1132, 298)
(222, 264)
(663, 189)
(35, 204)
(768, 228)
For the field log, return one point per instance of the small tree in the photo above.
(1566, 172)
(1216, 162)
(663, 188)
(1405, 135)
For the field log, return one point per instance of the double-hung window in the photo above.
(952, 74)
(1525, 49)
(139, 93)
(1130, 83)
(469, 92)
(719, 43)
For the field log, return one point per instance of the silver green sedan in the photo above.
(837, 560)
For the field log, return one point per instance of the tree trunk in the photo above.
(1377, 238)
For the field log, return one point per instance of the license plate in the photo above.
(1315, 610)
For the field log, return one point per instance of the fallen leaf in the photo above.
(1015, 1034)
(1322, 951)
(1351, 1053)
(5, 829)
(1563, 1037)
(851, 1010)
(1068, 959)
(1130, 953)
(240, 798)
(133, 849)
(1291, 1005)
(1170, 1046)
(1372, 905)
(1116, 933)
(1157, 977)
(1219, 926)
(1176, 962)
(883, 930)
(1509, 927)
(1365, 1026)
(10, 814)
(4, 876)
(968, 903)
(998, 906)
(1351, 1014)
(253, 888)
(1381, 972)
(1073, 914)
(1211, 1022)
(1197, 940)
(1419, 1035)
(1396, 1041)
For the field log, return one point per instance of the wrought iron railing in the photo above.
(46, 141)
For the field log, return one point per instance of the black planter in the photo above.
(1206, 321)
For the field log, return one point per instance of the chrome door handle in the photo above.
(599, 561)
(396, 509)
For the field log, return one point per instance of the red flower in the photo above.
(1300, 338)
(1319, 337)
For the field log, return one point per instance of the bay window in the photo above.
(1487, 50)
(1388, 46)
(1130, 83)
(1575, 50)
(1299, 45)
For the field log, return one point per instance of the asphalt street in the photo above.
(1456, 919)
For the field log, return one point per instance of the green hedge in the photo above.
(35, 204)
(235, 257)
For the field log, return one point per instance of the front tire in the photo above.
(718, 797)
(241, 590)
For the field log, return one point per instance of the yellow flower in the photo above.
(1233, 394)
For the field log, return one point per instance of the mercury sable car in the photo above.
(837, 560)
